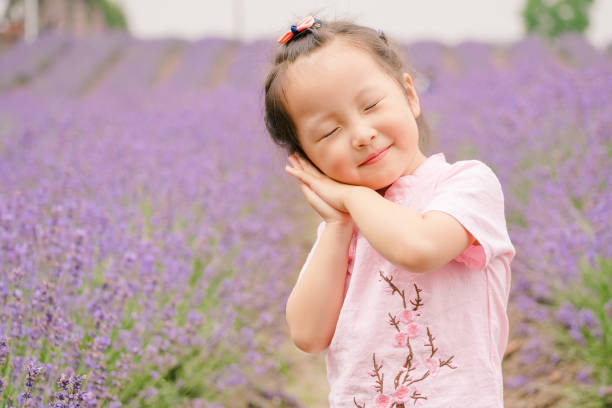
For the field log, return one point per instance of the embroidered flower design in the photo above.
(399, 339)
(432, 366)
(407, 316)
(413, 331)
(383, 401)
(401, 395)
(406, 329)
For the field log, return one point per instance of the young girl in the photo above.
(407, 284)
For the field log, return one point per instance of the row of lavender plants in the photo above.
(143, 249)
(144, 233)
(117, 63)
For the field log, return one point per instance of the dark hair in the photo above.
(277, 119)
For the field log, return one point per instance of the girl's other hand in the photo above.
(329, 190)
(325, 210)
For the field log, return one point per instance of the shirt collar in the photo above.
(429, 166)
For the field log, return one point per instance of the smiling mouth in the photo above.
(373, 158)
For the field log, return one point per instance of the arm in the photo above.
(315, 302)
(402, 235)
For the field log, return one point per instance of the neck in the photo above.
(382, 191)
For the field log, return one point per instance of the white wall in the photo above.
(449, 21)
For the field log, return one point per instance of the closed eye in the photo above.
(371, 106)
(329, 134)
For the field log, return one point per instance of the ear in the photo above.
(413, 98)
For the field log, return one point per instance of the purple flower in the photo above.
(517, 381)
(4, 350)
(587, 318)
(567, 314)
(531, 352)
(584, 375)
(605, 390)
(577, 335)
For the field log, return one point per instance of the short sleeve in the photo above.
(471, 193)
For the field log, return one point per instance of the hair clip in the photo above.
(307, 22)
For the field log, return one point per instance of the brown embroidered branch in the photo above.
(381, 378)
(418, 299)
(394, 322)
(420, 379)
(357, 405)
(447, 362)
(430, 344)
(416, 396)
(407, 366)
(395, 288)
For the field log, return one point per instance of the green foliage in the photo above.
(551, 18)
(112, 13)
(594, 293)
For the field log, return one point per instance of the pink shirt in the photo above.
(433, 339)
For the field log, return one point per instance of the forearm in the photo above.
(392, 229)
(315, 302)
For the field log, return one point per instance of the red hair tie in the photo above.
(307, 22)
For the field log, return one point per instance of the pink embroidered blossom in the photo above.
(399, 339)
(413, 330)
(401, 395)
(432, 366)
(383, 401)
(407, 316)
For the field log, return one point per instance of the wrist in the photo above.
(341, 226)
(352, 194)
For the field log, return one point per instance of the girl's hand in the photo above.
(328, 212)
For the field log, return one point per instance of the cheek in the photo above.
(338, 164)
(337, 168)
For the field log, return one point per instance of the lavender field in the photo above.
(149, 237)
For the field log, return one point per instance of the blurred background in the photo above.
(150, 237)
(439, 20)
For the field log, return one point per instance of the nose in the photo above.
(363, 133)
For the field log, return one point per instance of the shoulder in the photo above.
(469, 171)
(471, 166)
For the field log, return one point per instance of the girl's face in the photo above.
(346, 108)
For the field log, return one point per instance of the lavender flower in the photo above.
(586, 318)
(108, 200)
(516, 381)
(584, 375)
(4, 350)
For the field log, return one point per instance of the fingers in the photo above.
(317, 203)
(305, 164)
(301, 175)
(298, 170)
(294, 161)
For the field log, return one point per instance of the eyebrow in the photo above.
(317, 119)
